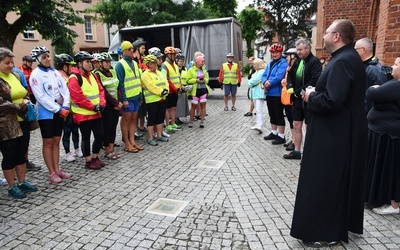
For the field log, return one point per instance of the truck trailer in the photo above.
(215, 38)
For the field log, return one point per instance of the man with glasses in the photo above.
(365, 48)
(331, 187)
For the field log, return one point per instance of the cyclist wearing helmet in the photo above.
(174, 81)
(182, 106)
(95, 62)
(272, 77)
(53, 98)
(155, 90)
(157, 52)
(64, 64)
(139, 48)
(109, 80)
(87, 96)
(230, 77)
(26, 68)
(130, 94)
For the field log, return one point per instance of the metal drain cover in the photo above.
(167, 207)
(235, 140)
(211, 164)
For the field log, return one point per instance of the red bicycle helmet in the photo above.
(276, 48)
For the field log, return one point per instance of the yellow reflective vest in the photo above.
(183, 76)
(132, 79)
(153, 84)
(230, 75)
(91, 92)
(110, 83)
(174, 75)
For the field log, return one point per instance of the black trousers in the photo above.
(86, 128)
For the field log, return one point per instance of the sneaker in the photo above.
(92, 165)
(190, 124)
(271, 136)
(152, 142)
(233, 108)
(69, 157)
(293, 155)
(290, 147)
(64, 174)
(161, 139)
(27, 187)
(176, 127)
(256, 129)
(178, 121)
(3, 182)
(54, 178)
(169, 128)
(78, 152)
(226, 109)
(201, 124)
(15, 192)
(248, 114)
(278, 140)
(30, 166)
(98, 162)
(164, 134)
(287, 144)
(386, 209)
(138, 134)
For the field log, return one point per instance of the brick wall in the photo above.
(376, 19)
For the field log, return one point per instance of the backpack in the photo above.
(386, 73)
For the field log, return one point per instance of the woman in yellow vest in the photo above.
(155, 90)
(198, 77)
(109, 80)
(87, 102)
(14, 132)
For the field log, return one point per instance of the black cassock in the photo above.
(331, 187)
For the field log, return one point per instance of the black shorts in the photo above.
(50, 128)
(14, 150)
(300, 112)
(172, 100)
(275, 110)
(156, 113)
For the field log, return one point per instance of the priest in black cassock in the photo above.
(331, 187)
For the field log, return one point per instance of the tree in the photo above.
(50, 18)
(221, 8)
(286, 19)
(252, 22)
(147, 12)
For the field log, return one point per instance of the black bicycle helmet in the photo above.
(82, 55)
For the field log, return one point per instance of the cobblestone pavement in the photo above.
(247, 203)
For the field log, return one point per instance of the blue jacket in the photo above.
(254, 84)
(275, 72)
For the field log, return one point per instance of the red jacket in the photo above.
(79, 98)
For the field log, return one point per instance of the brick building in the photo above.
(375, 19)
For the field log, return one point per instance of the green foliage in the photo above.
(246, 70)
(50, 18)
(252, 22)
(287, 19)
(220, 8)
(147, 12)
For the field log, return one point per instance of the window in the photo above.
(29, 33)
(88, 29)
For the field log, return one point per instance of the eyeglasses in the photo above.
(359, 48)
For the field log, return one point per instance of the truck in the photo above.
(215, 38)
